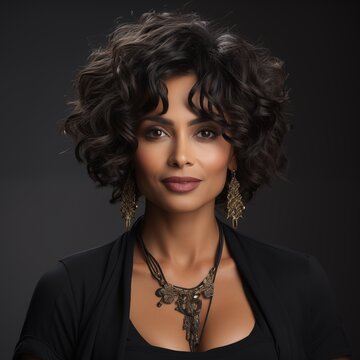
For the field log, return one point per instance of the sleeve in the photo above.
(325, 336)
(50, 327)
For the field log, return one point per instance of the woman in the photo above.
(190, 116)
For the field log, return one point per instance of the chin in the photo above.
(180, 203)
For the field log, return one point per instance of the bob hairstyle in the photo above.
(243, 84)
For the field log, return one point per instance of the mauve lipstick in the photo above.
(181, 183)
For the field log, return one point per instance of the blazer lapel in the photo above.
(266, 294)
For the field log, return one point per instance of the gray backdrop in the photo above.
(50, 208)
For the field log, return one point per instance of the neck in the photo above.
(181, 240)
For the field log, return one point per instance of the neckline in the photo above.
(243, 250)
(254, 331)
(158, 274)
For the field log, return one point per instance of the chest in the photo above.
(230, 317)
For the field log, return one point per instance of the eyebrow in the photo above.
(165, 121)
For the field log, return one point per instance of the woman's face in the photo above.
(180, 148)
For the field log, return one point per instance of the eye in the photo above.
(209, 133)
(153, 133)
(206, 133)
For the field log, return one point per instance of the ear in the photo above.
(232, 163)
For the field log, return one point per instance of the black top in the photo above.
(258, 345)
(80, 308)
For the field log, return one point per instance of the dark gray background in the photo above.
(50, 208)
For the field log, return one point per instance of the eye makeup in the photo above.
(215, 133)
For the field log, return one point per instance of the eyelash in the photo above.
(215, 133)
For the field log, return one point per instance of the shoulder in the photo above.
(283, 265)
(266, 253)
(89, 262)
(301, 285)
(79, 276)
(87, 269)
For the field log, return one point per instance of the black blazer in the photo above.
(80, 308)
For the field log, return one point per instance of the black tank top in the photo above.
(258, 345)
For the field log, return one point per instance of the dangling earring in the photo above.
(235, 206)
(128, 202)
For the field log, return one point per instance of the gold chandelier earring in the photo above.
(235, 206)
(128, 204)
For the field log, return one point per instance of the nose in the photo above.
(181, 152)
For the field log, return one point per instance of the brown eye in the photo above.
(208, 133)
(154, 133)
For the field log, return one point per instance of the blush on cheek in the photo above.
(150, 157)
(216, 162)
(143, 159)
(146, 164)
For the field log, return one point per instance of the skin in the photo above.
(180, 229)
(186, 231)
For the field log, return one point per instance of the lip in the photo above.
(181, 184)
(180, 179)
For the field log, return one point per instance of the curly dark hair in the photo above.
(124, 80)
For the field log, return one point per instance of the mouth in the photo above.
(180, 179)
(181, 184)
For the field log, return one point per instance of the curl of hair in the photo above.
(124, 80)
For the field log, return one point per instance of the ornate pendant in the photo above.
(188, 303)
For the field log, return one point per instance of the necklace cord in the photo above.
(217, 261)
(158, 274)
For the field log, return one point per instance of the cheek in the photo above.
(147, 158)
(143, 161)
(216, 160)
(147, 163)
(216, 165)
